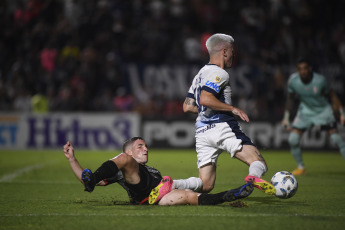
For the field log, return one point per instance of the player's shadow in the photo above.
(271, 200)
(111, 203)
(275, 201)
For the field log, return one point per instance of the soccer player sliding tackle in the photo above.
(144, 184)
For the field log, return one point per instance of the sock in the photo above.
(296, 151)
(336, 138)
(211, 199)
(257, 169)
(108, 169)
(300, 166)
(192, 183)
(297, 155)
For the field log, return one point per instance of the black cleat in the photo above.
(239, 193)
(88, 179)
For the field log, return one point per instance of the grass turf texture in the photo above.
(39, 191)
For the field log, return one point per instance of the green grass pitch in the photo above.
(39, 191)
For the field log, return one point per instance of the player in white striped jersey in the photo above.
(217, 129)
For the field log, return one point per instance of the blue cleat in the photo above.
(88, 179)
(239, 193)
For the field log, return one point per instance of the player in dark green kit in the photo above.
(315, 108)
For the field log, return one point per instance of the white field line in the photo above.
(171, 215)
(11, 176)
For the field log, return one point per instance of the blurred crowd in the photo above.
(70, 55)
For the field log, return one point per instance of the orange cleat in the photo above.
(298, 172)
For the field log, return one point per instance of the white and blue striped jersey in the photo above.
(214, 80)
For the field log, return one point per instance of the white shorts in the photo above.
(213, 139)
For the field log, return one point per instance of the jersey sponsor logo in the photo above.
(213, 86)
(217, 79)
(205, 129)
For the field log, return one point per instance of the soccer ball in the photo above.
(285, 183)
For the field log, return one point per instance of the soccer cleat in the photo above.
(261, 184)
(163, 188)
(298, 172)
(88, 179)
(239, 193)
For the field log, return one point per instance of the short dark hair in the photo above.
(130, 142)
(304, 60)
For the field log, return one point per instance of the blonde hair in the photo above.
(217, 42)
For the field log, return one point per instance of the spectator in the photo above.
(48, 42)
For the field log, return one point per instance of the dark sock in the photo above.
(108, 169)
(211, 199)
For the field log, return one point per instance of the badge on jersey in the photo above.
(315, 90)
(217, 79)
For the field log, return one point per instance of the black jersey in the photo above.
(149, 179)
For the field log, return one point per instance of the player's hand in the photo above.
(241, 114)
(342, 120)
(101, 183)
(286, 124)
(68, 150)
(286, 120)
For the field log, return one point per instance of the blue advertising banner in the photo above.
(109, 131)
(91, 130)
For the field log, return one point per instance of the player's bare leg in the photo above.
(182, 197)
(251, 156)
(207, 173)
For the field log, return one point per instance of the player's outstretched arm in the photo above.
(69, 154)
(189, 106)
(288, 107)
(337, 106)
(209, 100)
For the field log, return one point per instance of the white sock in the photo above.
(192, 183)
(300, 166)
(257, 169)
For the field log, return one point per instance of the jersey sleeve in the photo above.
(215, 82)
(190, 93)
(111, 180)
